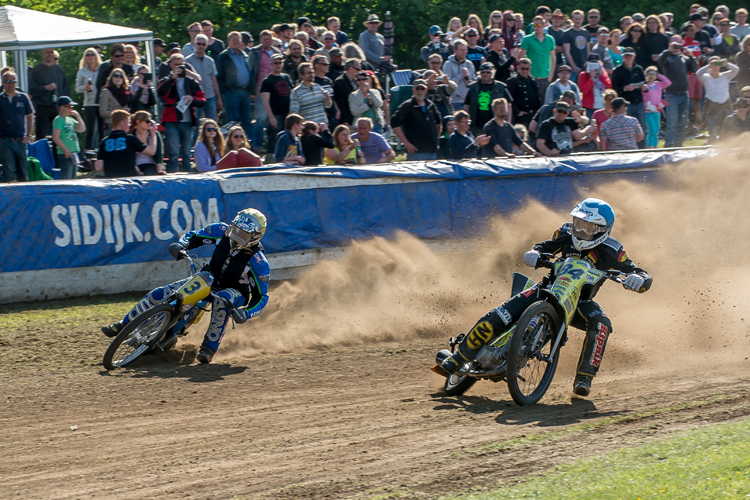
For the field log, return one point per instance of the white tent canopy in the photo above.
(22, 30)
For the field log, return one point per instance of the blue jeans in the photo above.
(677, 119)
(261, 123)
(208, 110)
(179, 138)
(421, 156)
(239, 108)
(15, 163)
(67, 166)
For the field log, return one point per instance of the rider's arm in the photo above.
(261, 273)
(559, 239)
(209, 234)
(625, 265)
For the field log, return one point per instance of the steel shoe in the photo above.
(582, 385)
(112, 329)
(205, 355)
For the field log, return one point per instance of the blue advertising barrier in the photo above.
(59, 225)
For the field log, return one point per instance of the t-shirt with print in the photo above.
(67, 127)
(280, 90)
(117, 151)
(579, 41)
(484, 105)
(475, 55)
(558, 135)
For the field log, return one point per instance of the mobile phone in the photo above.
(592, 66)
(148, 77)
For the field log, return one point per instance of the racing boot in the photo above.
(468, 349)
(112, 329)
(205, 355)
(582, 385)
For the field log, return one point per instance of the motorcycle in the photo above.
(526, 353)
(158, 329)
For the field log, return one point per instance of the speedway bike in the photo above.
(525, 355)
(158, 329)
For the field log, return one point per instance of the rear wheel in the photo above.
(138, 337)
(530, 368)
(456, 385)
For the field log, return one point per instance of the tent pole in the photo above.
(3, 59)
(22, 70)
(150, 62)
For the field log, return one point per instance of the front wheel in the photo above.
(138, 336)
(530, 368)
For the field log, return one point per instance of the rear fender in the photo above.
(520, 283)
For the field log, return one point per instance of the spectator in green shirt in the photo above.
(65, 127)
(540, 48)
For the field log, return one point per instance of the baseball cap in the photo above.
(564, 67)
(628, 50)
(435, 30)
(619, 102)
(471, 31)
(277, 56)
(486, 67)
(569, 94)
(602, 29)
(697, 16)
(159, 42)
(562, 105)
(172, 46)
(494, 37)
(65, 101)
(335, 52)
(419, 83)
(638, 17)
(593, 57)
(284, 27)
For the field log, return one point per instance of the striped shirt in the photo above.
(309, 102)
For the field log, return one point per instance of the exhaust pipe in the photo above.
(442, 355)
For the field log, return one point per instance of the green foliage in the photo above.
(707, 462)
(168, 19)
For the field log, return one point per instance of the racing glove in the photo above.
(633, 282)
(530, 258)
(175, 250)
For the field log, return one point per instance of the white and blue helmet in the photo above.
(247, 228)
(592, 222)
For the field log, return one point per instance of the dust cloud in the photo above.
(689, 233)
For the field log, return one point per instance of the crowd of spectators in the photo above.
(559, 84)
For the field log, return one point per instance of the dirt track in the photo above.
(291, 427)
(328, 394)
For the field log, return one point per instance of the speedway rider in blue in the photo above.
(587, 237)
(240, 270)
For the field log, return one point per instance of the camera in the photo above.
(181, 70)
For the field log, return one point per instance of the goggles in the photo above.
(584, 230)
(239, 238)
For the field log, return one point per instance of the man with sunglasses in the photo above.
(47, 81)
(524, 93)
(15, 129)
(320, 66)
(116, 54)
(437, 45)
(276, 93)
(539, 47)
(593, 26)
(575, 44)
(560, 134)
(480, 96)
(205, 66)
(475, 53)
(329, 41)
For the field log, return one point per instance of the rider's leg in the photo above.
(154, 297)
(590, 318)
(219, 320)
(494, 321)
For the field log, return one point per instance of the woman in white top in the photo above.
(716, 84)
(368, 102)
(85, 81)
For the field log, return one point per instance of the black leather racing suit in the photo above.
(588, 317)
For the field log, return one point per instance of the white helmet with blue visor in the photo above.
(592, 223)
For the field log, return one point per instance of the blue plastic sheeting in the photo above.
(64, 224)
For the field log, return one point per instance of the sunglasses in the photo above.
(435, 61)
(561, 111)
(202, 44)
(90, 55)
(119, 55)
(9, 81)
(485, 72)
(211, 129)
(635, 31)
(472, 34)
(524, 69)
(593, 17)
(323, 64)
(278, 62)
(538, 25)
(237, 137)
(329, 39)
(117, 76)
(497, 16)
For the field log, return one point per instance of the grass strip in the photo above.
(709, 462)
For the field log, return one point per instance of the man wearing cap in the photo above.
(621, 132)
(474, 52)
(275, 92)
(237, 83)
(47, 80)
(524, 93)
(563, 83)
(336, 58)
(164, 69)
(372, 43)
(286, 34)
(17, 114)
(480, 96)
(702, 35)
(555, 31)
(437, 45)
(417, 124)
(559, 134)
(540, 48)
(305, 25)
(601, 48)
(159, 48)
(499, 57)
(676, 63)
(548, 110)
(629, 81)
(65, 129)
(739, 121)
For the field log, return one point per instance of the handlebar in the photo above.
(546, 260)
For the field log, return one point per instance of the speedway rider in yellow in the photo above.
(587, 237)
(240, 270)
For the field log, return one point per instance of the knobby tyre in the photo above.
(530, 369)
(138, 336)
(456, 385)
